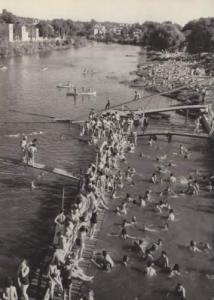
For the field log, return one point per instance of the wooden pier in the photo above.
(41, 167)
(39, 281)
(175, 133)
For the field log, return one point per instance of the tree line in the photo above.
(196, 36)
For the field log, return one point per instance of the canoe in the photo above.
(64, 86)
(81, 93)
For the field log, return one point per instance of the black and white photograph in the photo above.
(106, 150)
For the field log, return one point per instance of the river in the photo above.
(29, 86)
(26, 216)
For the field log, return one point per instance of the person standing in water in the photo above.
(23, 278)
(23, 145)
(31, 149)
(108, 104)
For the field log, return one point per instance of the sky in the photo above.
(124, 11)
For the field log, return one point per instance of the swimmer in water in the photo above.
(193, 247)
(154, 178)
(150, 270)
(175, 270)
(142, 202)
(180, 291)
(171, 216)
(125, 260)
(140, 246)
(163, 261)
(122, 209)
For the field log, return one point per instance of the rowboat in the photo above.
(64, 86)
(72, 93)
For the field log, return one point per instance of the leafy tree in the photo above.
(8, 17)
(162, 36)
(45, 29)
(200, 35)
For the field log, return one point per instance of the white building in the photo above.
(99, 29)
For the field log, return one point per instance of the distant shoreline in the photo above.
(17, 49)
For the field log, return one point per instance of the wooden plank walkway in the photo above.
(124, 113)
(39, 281)
(90, 244)
(177, 133)
(172, 108)
(39, 166)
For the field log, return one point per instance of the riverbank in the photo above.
(185, 80)
(15, 49)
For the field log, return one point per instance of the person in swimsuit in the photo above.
(180, 291)
(93, 222)
(23, 278)
(23, 146)
(9, 292)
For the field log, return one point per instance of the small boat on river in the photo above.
(82, 93)
(65, 86)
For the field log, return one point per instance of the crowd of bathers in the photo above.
(112, 137)
(172, 74)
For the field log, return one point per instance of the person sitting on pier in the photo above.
(77, 272)
(54, 280)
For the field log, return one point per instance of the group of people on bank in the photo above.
(172, 74)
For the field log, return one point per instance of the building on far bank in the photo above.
(18, 33)
(99, 30)
(6, 32)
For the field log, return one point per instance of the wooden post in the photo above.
(187, 114)
(63, 198)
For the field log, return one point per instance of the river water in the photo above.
(26, 216)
